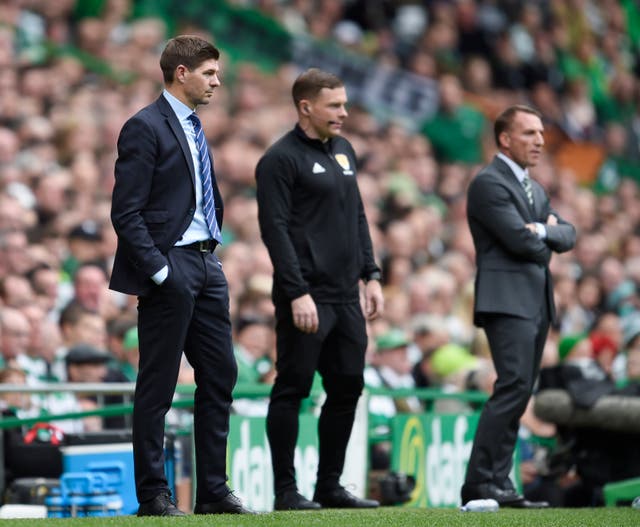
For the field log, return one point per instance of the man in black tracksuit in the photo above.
(313, 224)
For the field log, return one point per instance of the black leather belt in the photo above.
(205, 246)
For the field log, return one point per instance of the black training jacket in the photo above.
(312, 219)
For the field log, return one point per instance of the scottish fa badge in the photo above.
(343, 161)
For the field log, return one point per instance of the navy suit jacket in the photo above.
(153, 199)
(513, 275)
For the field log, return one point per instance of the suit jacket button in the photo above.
(191, 211)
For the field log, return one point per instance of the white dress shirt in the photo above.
(520, 174)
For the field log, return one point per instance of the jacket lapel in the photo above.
(178, 132)
(512, 182)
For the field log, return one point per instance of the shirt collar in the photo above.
(518, 171)
(327, 145)
(181, 110)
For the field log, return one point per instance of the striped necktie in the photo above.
(526, 183)
(206, 175)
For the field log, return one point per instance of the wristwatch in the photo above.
(375, 275)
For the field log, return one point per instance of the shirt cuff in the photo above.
(542, 230)
(161, 275)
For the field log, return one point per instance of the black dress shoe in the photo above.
(526, 504)
(161, 505)
(292, 500)
(521, 502)
(230, 504)
(341, 498)
(484, 491)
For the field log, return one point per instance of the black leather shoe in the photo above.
(292, 500)
(341, 498)
(230, 504)
(161, 505)
(526, 504)
(484, 491)
(505, 497)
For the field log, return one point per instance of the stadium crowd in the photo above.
(576, 61)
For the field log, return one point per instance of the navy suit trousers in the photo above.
(189, 312)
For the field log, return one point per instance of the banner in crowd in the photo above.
(435, 449)
(389, 93)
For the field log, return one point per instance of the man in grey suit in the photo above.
(514, 231)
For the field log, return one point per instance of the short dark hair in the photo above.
(246, 320)
(188, 50)
(117, 327)
(72, 313)
(310, 82)
(505, 119)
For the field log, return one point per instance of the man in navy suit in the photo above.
(167, 213)
(514, 231)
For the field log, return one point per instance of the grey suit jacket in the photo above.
(512, 263)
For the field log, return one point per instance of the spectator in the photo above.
(122, 338)
(625, 372)
(457, 130)
(605, 350)
(632, 385)
(390, 368)
(15, 333)
(87, 364)
(78, 326)
(254, 348)
(429, 333)
(578, 372)
(45, 282)
(123, 367)
(85, 240)
(600, 455)
(452, 364)
(15, 403)
(14, 257)
(16, 291)
(36, 360)
(130, 347)
(91, 291)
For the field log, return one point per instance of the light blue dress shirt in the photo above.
(197, 230)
